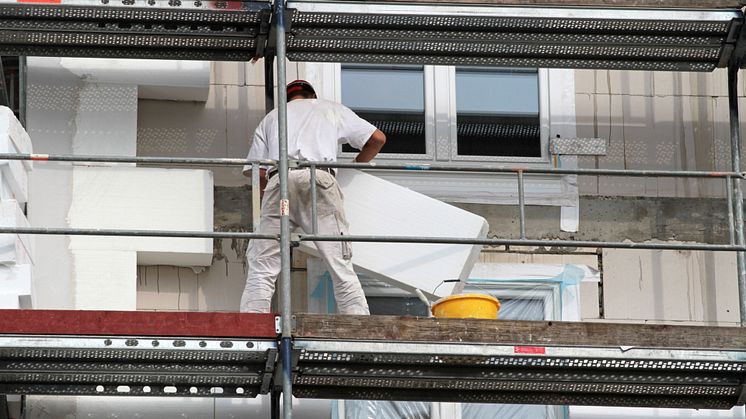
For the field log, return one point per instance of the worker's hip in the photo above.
(329, 196)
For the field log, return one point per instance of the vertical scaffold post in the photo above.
(282, 101)
(735, 144)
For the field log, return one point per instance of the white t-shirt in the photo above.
(316, 128)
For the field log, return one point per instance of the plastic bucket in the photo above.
(463, 306)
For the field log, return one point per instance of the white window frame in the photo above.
(441, 126)
(557, 116)
(548, 293)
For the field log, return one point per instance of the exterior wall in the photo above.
(652, 120)
(655, 121)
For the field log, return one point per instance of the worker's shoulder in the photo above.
(322, 103)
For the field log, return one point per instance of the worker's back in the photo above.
(316, 128)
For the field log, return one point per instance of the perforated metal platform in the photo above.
(371, 357)
(216, 30)
(483, 34)
(470, 32)
(136, 353)
(519, 374)
(482, 361)
(136, 366)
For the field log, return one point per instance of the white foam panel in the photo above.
(377, 207)
(145, 199)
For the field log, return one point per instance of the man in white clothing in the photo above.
(316, 128)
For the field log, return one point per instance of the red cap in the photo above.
(299, 86)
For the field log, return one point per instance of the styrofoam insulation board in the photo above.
(12, 250)
(16, 279)
(14, 177)
(380, 208)
(144, 199)
(9, 301)
(104, 280)
(15, 248)
(13, 137)
(157, 79)
(105, 121)
(14, 173)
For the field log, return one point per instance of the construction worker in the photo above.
(315, 129)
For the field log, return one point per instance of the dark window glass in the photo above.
(497, 112)
(393, 99)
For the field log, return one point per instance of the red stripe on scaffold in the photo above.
(137, 323)
(535, 350)
(227, 5)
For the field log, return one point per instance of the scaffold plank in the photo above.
(136, 323)
(413, 329)
(492, 361)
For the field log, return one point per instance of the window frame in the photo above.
(441, 125)
(429, 99)
(549, 293)
(558, 113)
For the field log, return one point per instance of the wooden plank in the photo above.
(137, 323)
(645, 4)
(504, 332)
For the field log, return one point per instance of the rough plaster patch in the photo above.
(636, 151)
(721, 154)
(108, 98)
(44, 97)
(161, 140)
(665, 153)
(205, 139)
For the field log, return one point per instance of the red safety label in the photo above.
(536, 350)
(284, 207)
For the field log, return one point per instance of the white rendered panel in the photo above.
(15, 248)
(14, 173)
(156, 79)
(377, 207)
(104, 280)
(145, 199)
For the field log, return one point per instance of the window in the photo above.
(448, 113)
(497, 112)
(393, 99)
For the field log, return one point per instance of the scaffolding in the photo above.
(387, 358)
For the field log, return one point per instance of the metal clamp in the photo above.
(269, 369)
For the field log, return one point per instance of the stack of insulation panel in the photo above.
(16, 250)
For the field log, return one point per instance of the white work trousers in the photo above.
(263, 256)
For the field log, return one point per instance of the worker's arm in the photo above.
(371, 147)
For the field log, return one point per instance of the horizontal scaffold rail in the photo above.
(371, 357)
(666, 35)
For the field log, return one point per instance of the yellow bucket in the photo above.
(463, 306)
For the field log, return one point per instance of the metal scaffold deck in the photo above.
(376, 357)
(242, 355)
(633, 35)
